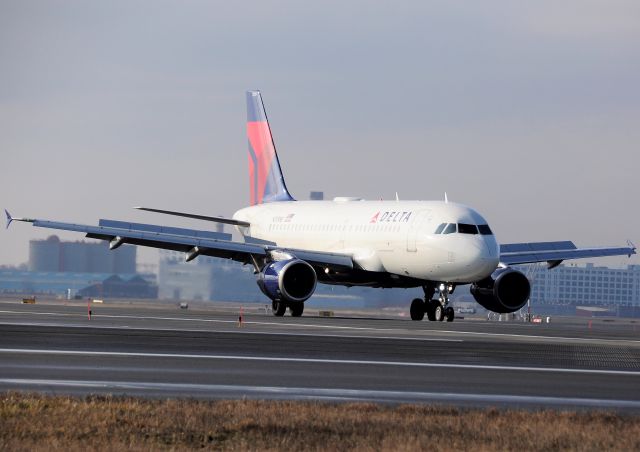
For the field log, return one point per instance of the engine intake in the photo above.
(291, 280)
(506, 290)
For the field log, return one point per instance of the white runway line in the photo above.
(321, 361)
(339, 327)
(244, 332)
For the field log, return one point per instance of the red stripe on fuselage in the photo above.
(262, 145)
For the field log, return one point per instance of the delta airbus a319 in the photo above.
(293, 245)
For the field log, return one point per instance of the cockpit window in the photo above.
(485, 229)
(450, 229)
(467, 228)
(440, 228)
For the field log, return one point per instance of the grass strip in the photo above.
(41, 422)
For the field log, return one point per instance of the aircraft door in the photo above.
(421, 218)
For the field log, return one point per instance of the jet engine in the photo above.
(291, 280)
(506, 290)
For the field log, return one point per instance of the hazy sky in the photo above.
(528, 111)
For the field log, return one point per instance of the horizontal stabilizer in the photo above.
(198, 217)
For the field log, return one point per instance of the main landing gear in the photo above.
(279, 307)
(437, 309)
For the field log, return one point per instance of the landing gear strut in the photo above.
(437, 309)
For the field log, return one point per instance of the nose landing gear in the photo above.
(437, 309)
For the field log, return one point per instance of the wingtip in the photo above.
(9, 218)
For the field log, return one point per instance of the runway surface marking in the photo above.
(191, 319)
(320, 361)
(326, 393)
(336, 327)
(269, 333)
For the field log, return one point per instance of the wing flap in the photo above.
(163, 229)
(161, 237)
(555, 252)
(185, 240)
(536, 246)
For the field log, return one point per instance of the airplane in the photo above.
(293, 245)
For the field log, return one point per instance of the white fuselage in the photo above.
(396, 237)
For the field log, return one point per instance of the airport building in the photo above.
(213, 279)
(64, 284)
(572, 285)
(79, 269)
(54, 255)
(205, 278)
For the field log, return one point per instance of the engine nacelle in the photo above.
(291, 280)
(506, 290)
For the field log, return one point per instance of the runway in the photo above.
(162, 351)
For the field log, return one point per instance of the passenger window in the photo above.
(485, 229)
(440, 228)
(450, 229)
(467, 228)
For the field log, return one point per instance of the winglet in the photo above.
(9, 219)
(632, 248)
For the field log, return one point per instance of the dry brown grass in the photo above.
(37, 422)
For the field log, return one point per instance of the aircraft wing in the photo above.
(192, 242)
(555, 252)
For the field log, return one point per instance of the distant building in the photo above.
(53, 255)
(214, 279)
(97, 285)
(316, 195)
(118, 287)
(576, 289)
(587, 286)
(79, 268)
(205, 278)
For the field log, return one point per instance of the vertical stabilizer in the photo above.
(265, 175)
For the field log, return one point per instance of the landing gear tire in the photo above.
(296, 309)
(278, 307)
(417, 309)
(438, 313)
(449, 314)
(431, 309)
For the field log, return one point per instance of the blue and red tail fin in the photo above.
(265, 175)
